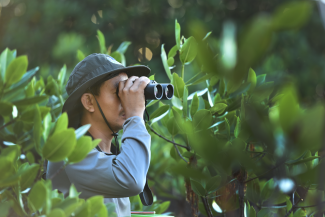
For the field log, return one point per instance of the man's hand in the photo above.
(131, 93)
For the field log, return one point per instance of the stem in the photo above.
(291, 210)
(183, 72)
(206, 206)
(310, 205)
(192, 78)
(7, 124)
(174, 143)
(180, 155)
(265, 172)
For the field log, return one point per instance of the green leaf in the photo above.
(30, 100)
(170, 61)
(81, 150)
(152, 77)
(260, 79)
(253, 191)
(96, 203)
(185, 95)
(207, 35)
(47, 122)
(213, 184)
(52, 87)
(198, 188)
(59, 145)
(218, 108)
(267, 189)
(101, 40)
(83, 211)
(73, 191)
(16, 70)
(299, 213)
(6, 108)
(292, 15)
(82, 130)
(37, 196)
(160, 111)
(162, 207)
(302, 161)
(62, 123)
(202, 119)
(6, 57)
(68, 205)
(21, 83)
(237, 128)
(30, 157)
(252, 212)
(178, 34)
(119, 57)
(4, 208)
(178, 86)
(61, 76)
(56, 213)
(6, 167)
(173, 51)
(152, 102)
(188, 51)
(288, 109)
(80, 55)
(252, 80)
(123, 47)
(172, 127)
(194, 105)
(37, 130)
(289, 206)
(240, 90)
(164, 61)
(29, 173)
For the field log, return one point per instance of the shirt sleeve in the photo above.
(114, 176)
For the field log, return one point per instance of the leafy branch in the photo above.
(174, 143)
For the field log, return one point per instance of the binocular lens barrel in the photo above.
(155, 91)
(168, 91)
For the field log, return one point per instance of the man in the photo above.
(93, 100)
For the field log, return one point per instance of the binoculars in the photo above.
(155, 91)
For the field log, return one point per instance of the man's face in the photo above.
(111, 104)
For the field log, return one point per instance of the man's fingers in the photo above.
(140, 83)
(130, 81)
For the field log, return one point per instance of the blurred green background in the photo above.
(51, 31)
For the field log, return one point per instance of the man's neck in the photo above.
(98, 133)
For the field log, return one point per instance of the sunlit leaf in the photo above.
(189, 50)
(59, 145)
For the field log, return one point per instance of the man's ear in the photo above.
(87, 100)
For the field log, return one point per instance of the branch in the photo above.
(7, 124)
(293, 207)
(180, 154)
(206, 206)
(265, 172)
(174, 143)
(310, 205)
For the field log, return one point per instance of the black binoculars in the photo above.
(155, 91)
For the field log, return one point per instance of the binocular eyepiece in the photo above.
(155, 91)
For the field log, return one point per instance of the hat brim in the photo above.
(73, 104)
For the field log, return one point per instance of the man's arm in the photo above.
(115, 176)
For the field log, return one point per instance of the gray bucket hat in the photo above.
(86, 73)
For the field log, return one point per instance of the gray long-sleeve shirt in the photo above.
(114, 177)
